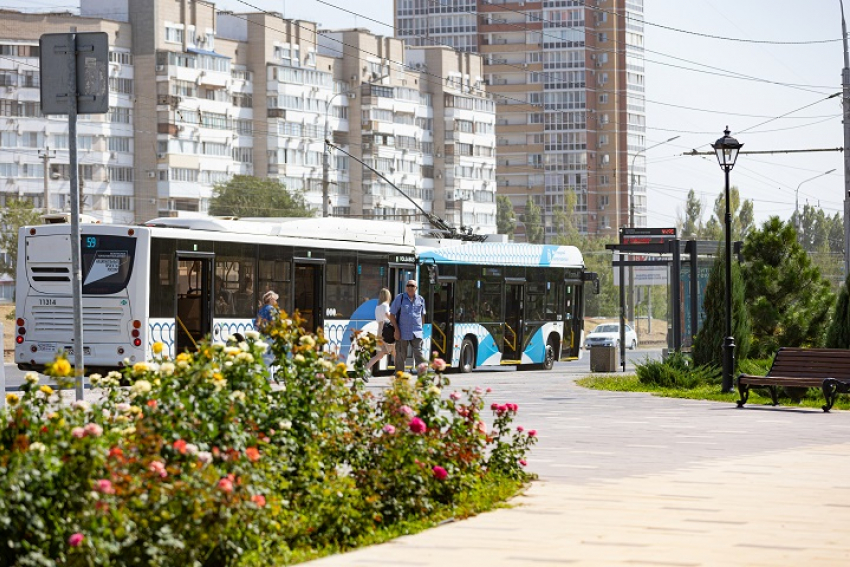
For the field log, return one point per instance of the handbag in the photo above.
(388, 333)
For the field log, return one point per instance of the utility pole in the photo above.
(45, 156)
(845, 103)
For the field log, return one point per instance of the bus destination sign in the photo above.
(642, 235)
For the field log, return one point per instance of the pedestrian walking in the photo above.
(406, 314)
(382, 316)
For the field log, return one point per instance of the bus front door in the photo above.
(308, 294)
(512, 338)
(194, 303)
(442, 330)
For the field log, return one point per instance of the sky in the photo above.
(764, 68)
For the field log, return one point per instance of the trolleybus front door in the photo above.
(309, 301)
(194, 304)
(514, 294)
(440, 305)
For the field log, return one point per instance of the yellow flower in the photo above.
(46, 390)
(140, 368)
(12, 400)
(184, 357)
(61, 367)
(157, 347)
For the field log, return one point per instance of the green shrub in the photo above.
(676, 371)
(204, 461)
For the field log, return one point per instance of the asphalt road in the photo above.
(15, 377)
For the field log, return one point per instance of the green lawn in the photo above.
(710, 392)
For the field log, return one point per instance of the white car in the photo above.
(608, 334)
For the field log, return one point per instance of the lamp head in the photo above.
(726, 149)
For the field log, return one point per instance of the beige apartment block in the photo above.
(568, 80)
(198, 95)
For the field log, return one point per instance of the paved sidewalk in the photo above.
(630, 479)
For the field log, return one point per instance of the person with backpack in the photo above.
(406, 314)
(385, 340)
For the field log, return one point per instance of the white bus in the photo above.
(504, 303)
(179, 280)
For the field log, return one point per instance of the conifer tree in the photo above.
(708, 343)
(838, 333)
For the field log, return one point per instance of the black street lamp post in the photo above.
(726, 149)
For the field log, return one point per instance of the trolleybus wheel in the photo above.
(467, 357)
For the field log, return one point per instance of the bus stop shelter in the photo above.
(674, 254)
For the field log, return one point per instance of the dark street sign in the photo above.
(61, 53)
(643, 235)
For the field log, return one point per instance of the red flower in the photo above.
(180, 446)
(417, 426)
(226, 485)
(152, 404)
(439, 472)
(259, 500)
(253, 454)
(76, 539)
(116, 453)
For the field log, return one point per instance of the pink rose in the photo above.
(532, 433)
(482, 428)
(439, 472)
(76, 539)
(422, 368)
(259, 500)
(523, 462)
(226, 485)
(93, 429)
(520, 428)
(389, 429)
(405, 410)
(104, 486)
(158, 467)
(78, 432)
(417, 426)
(455, 396)
(439, 364)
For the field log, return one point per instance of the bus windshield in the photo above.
(107, 263)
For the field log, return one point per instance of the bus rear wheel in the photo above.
(549, 357)
(467, 357)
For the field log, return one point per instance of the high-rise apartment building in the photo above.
(568, 79)
(198, 96)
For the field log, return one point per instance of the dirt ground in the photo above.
(658, 336)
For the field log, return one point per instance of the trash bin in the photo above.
(603, 359)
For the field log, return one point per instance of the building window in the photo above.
(121, 202)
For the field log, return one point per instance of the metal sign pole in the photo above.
(73, 71)
(77, 276)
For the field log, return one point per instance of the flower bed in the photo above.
(205, 461)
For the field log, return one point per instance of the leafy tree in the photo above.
(788, 300)
(18, 213)
(708, 343)
(746, 219)
(691, 225)
(248, 196)
(565, 220)
(823, 238)
(838, 333)
(533, 221)
(505, 216)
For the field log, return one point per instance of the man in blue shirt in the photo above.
(406, 313)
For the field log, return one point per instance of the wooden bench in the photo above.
(824, 368)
